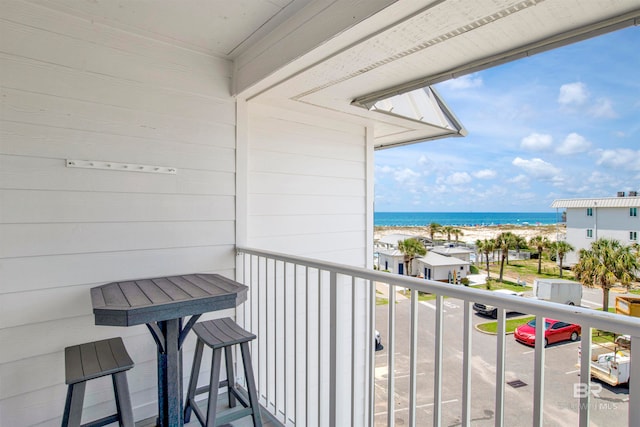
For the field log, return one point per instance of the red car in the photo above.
(555, 331)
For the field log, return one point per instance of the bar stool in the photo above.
(93, 360)
(222, 334)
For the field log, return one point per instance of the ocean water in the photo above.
(407, 219)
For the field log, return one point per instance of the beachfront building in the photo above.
(145, 139)
(392, 261)
(443, 268)
(597, 218)
(450, 250)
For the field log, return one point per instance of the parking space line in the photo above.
(572, 372)
(417, 406)
(431, 404)
(431, 306)
(595, 304)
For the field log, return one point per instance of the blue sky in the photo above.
(560, 124)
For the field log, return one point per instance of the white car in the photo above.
(490, 310)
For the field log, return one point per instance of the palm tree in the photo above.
(486, 247)
(605, 264)
(561, 248)
(411, 248)
(541, 243)
(434, 228)
(457, 233)
(520, 243)
(448, 230)
(504, 242)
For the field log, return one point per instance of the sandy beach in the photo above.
(473, 233)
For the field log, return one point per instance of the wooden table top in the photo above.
(143, 301)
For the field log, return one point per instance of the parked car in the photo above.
(490, 310)
(555, 331)
(379, 345)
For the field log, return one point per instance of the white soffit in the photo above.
(443, 40)
(223, 28)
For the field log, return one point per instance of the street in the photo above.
(609, 405)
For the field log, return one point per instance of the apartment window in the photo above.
(589, 233)
(633, 235)
(633, 211)
(589, 211)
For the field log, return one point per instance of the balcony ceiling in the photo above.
(389, 48)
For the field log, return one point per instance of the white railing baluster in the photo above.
(413, 358)
(585, 372)
(371, 342)
(437, 374)
(285, 343)
(538, 373)
(307, 400)
(353, 348)
(500, 366)
(634, 380)
(333, 348)
(391, 378)
(466, 365)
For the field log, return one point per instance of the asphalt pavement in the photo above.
(609, 406)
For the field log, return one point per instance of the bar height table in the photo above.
(163, 303)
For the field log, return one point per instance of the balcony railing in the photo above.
(314, 357)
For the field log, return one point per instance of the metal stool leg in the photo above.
(231, 378)
(73, 405)
(251, 384)
(213, 387)
(193, 380)
(123, 399)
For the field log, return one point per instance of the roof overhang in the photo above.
(408, 46)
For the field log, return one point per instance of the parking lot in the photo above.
(609, 405)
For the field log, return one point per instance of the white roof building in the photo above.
(595, 218)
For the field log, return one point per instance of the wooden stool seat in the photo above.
(222, 334)
(85, 362)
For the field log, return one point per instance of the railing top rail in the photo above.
(584, 316)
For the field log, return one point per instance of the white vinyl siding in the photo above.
(307, 195)
(611, 222)
(74, 89)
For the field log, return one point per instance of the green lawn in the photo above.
(511, 324)
(493, 284)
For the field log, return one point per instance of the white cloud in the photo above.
(485, 174)
(385, 169)
(405, 175)
(537, 168)
(536, 142)
(573, 144)
(621, 158)
(456, 178)
(464, 82)
(521, 180)
(573, 93)
(603, 108)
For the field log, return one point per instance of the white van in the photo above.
(558, 290)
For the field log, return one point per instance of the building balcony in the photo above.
(316, 364)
